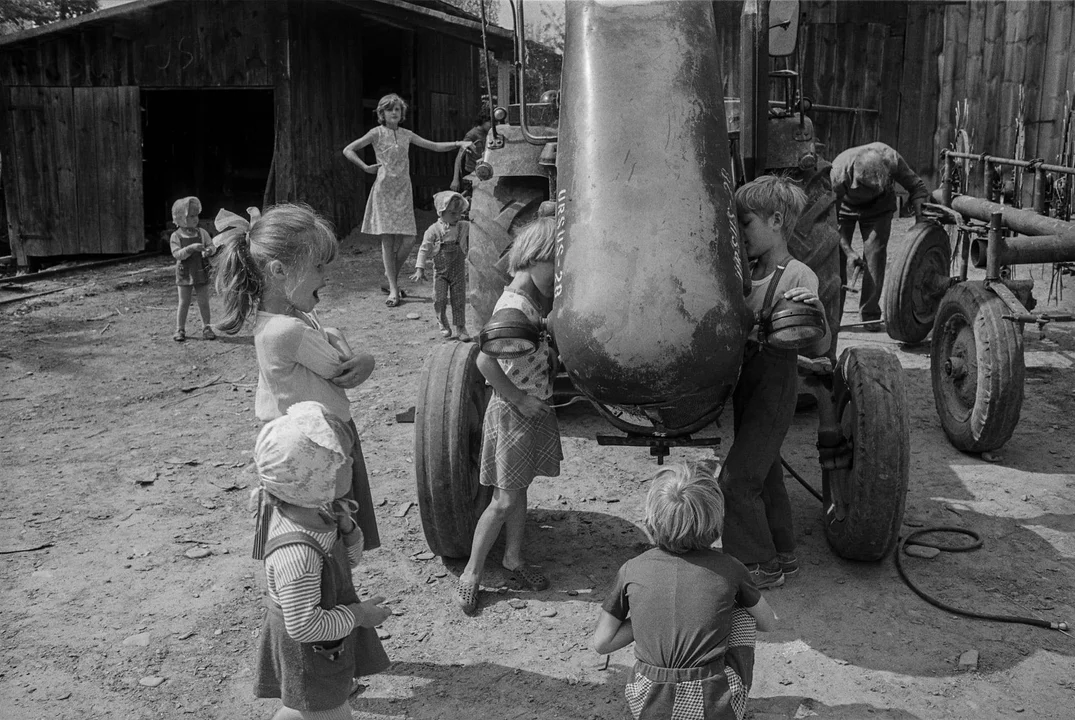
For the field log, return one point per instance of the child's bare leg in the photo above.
(343, 712)
(389, 244)
(185, 292)
(403, 249)
(514, 529)
(203, 304)
(503, 504)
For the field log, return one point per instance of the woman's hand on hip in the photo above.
(372, 169)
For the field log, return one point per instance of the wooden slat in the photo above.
(32, 158)
(65, 209)
(9, 171)
(1055, 79)
(91, 197)
(127, 169)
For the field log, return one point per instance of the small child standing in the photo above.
(191, 246)
(447, 242)
(520, 437)
(691, 611)
(759, 531)
(316, 636)
(273, 268)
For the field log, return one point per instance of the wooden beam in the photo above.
(498, 39)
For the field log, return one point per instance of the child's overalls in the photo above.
(450, 275)
(315, 676)
(757, 511)
(717, 691)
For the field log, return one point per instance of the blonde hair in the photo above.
(684, 508)
(388, 101)
(182, 207)
(771, 194)
(294, 234)
(536, 243)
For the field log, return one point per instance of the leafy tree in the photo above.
(18, 15)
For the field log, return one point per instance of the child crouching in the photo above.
(317, 636)
(690, 610)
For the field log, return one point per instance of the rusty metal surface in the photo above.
(1023, 221)
(649, 308)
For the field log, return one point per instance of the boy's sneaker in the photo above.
(208, 334)
(766, 575)
(789, 564)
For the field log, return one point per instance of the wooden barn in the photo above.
(107, 118)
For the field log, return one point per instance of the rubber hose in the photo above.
(1047, 624)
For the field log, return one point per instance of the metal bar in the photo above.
(520, 65)
(992, 250)
(839, 109)
(1039, 191)
(1022, 221)
(1009, 161)
(1026, 250)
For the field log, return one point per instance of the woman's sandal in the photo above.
(528, 579)
(385, 289)
(392, 302)
(466, 596)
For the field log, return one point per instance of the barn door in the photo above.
(73, 181)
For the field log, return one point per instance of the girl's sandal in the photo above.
(528, 579)
(180, 335)
(466, 596)
(392, 302)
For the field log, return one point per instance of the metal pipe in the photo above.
(1026, 250)
(1022, 221)
(992, 251)
(1039, 190)
(520, 67)
(1009, 161)
(946, 183)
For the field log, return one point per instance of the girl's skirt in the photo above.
(717, 691)
(516, 449)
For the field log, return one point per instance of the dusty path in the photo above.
(124, 451)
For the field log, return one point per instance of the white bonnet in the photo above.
(299, 454)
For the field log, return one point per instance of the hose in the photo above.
(1047, 624)
(977, 543)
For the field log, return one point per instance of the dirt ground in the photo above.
(121, 452)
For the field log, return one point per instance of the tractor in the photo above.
(638, 159)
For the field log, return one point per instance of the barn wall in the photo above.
(209, 43)
(447, 102)
(325, 90)
(1009, 64)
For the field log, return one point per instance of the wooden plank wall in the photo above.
(326, 108)
(447, 102)
(210, 43)
(74, 177)
(1016, 54)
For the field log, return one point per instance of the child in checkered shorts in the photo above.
(520, 437)
(690, 610)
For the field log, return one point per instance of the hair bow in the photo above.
(232, 226)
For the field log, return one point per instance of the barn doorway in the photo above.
(214, 144)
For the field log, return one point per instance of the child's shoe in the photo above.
(766, 575)
(180, 335)
(462, 335)
(445, 331)
(789, 564)
(208, 334)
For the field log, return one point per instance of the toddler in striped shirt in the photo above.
(317, 637)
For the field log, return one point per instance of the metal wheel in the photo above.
(498, 208)
(977, 368)
(916, 282)
(452, 396)
(863, 504)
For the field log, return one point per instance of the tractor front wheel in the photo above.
(863, 503)
(448, 418)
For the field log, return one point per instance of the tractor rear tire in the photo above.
(977, 368)
(916, 280)
(863, 505)
(448, 418)
(498, 208)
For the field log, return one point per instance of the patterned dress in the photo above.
(390, 207)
